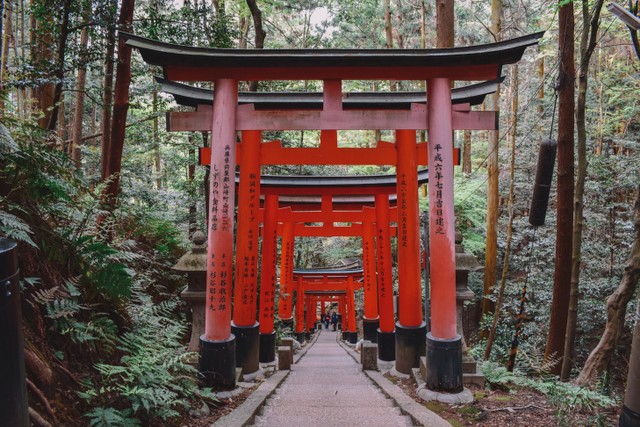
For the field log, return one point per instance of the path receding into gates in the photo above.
(326, 389)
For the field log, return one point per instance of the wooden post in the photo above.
(411, 328)
(386, 334)
(371, 319)
(244, 326)
(217, 353)
(444, 345)
(285, 307)
(299, 310)
(268, 280)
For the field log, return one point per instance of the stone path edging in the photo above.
(243, 415)
(419, 414)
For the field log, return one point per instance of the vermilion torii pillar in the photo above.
(410, 328)
(386, 332)
(218, 345)
(268, 280)
(244, 326)
(444, 345)
(285, 301)
(371, 319)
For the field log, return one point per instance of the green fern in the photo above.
(14, 228)
(111, 417)
(152, 376)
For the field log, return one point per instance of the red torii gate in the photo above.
(196, 97)
(439, 67)
(330, 281)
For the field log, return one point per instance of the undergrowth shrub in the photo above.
(565, 398)
(151, 381)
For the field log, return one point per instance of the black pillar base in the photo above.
(628, 418)
(386, 346)
(444, 364)
(13, 389)
(287, 324)
(300, 337)
(345, 336)
(247, 347)
(218, 363)
(307, 336)
(267, 347)
(369, 329)
(410, 346)
(353, 337)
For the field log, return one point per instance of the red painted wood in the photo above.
(299, 306)
(246, 277)
(409, 291)
(249, 119)
(268, 277)
(285, 302)
(369, 263)
(351, 307)
(272, 153)
(441, 212)
(385, 282)
(221, 213)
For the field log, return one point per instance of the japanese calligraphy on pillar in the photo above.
(248, 261)
(220, 230)
(437, 167)
(366, 254)
(403, 211)
(382, 281)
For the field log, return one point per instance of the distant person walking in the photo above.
(334, 320)
(326, 319)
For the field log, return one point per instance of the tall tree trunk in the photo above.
(616, 308)
(191, 172)
(540, 106)
(120, 108)
(564, 230)
(107, 96)
(587, 45)
(260, 35)
(507, 250)
(5, 23)
(156, 142)
(491, 251)
(466, 152)
(388, 29)
(81, 79)
(59, 72)
(445, 26)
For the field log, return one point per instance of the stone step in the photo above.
(298, 401)
(338, 419)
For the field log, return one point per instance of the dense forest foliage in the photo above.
(105, 329)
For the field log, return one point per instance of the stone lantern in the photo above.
(194, 263)
(465, 264)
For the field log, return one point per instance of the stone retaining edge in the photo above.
(420, 415)
(244, 414)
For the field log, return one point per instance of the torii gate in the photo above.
(336, 194)
(305, 186)
(439, 67)
(332, 281)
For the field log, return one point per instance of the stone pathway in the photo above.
(327, 389)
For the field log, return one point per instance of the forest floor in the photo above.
(516, 407)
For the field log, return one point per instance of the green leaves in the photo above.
(151, 381)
